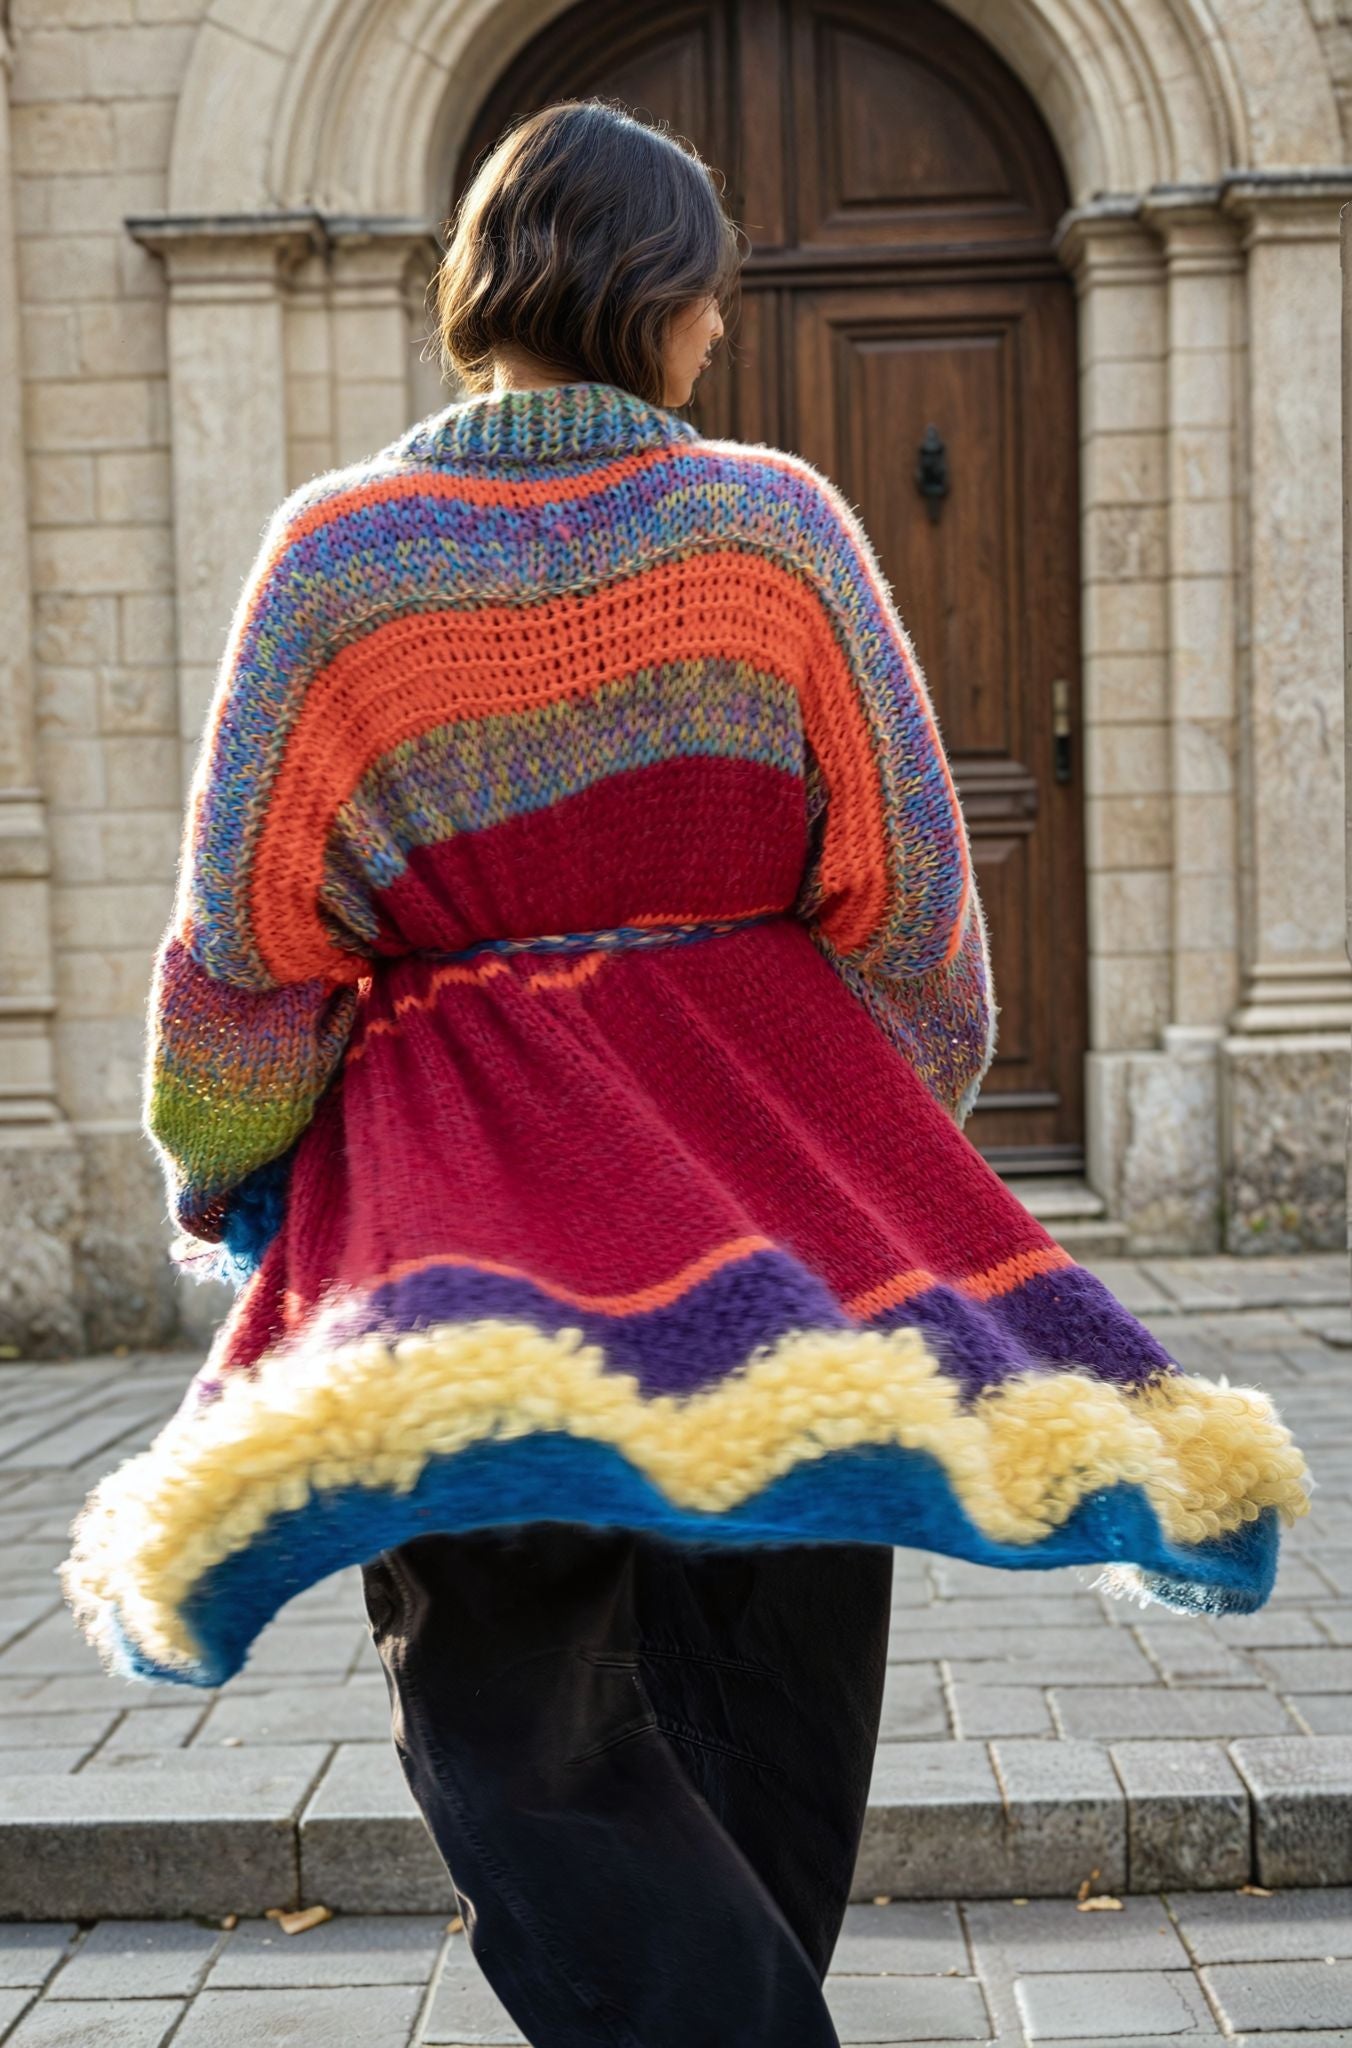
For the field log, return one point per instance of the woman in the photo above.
(575, 992)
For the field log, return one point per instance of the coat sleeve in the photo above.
(242, 1039)
(888, 893)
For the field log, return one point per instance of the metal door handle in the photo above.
(1061, 729)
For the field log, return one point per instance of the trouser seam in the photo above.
(445, 1779)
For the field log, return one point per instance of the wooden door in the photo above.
(905, 326)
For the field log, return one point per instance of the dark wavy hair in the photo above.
(580, 235)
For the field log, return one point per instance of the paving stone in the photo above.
(1233, 1927)
(295, 1713)
(985, 1710)
(54, 1647)
(363, 1845)
(91, 1691)
(1323, 1713)
(1302, 1794)
(1267, 1996)
(139, 1959)
(1277, 1627)
(913, 1704)
(1187, 1815)
(1042, 1656)
(896, 2009)
(49, 1762)
(922, 1938)
(1335, 1565)
(1060, 1609)
(1299, 1580)
(212, 1835)
(935, 1821)
(12, 2003)
(130, 2023)
(1318, 2037)
(1120, 1713)
(1306, 1670)
(33, 1729)
(1188, 1653)
(144, 1732)
(465, 2011)
(1048, 1935)
(29, 1953)
(1065, 1816)
(323, 1648)
(1066, 2006)
(356, 2018)
(393, 1949)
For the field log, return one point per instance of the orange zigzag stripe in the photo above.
(987, 1286)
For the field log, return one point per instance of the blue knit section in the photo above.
(879, 1494)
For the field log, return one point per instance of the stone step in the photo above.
(306, 1823)
(1076, 1217)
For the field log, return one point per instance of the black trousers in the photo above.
(646, 1769)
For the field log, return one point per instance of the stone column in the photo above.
(378, 382)
(1286, 1058)
(39, 1167)
(1346, 243)
(227, 395)
(228, 432)
(1150, 1090)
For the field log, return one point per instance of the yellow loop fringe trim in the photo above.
(1209, 1456)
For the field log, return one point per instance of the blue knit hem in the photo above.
(878, 1494)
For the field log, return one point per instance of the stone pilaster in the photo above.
(375, 269)
(39, 1167)
(227, 394)
(1285, 1060)
(1151, 1092)
(1346, 249)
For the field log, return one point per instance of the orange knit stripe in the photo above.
(778, 458)
(568, 975)
(659, 1296)
(420, 671)
(427, 484)
(987, 1286)
(890, 1293)
(577, 970)
(1012, 1273)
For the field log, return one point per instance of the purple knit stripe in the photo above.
(690, 1343)
(1070, 1318)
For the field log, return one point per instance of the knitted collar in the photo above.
(558, 423)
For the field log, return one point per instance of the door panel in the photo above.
(899, 191)
(878, 370)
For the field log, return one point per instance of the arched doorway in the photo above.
(906, 326)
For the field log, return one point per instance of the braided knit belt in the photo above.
(619, 938)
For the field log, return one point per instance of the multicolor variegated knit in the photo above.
(575, 993)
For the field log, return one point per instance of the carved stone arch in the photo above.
(358, 106)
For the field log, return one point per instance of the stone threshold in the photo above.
(314, 1824)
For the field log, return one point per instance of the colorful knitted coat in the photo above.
(575, 991)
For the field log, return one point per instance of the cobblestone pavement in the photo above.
(1173, 1753)
(1183, 1969)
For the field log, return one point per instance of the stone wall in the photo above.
(214, 239)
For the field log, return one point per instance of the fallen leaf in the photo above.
(1018, 1902)
(1099, 1902)
(456, 1926)
(1254, 1891)
(1087, 1886)
(8, 1351)
(231, 1741)
(230, 1920)
(883, 1899)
